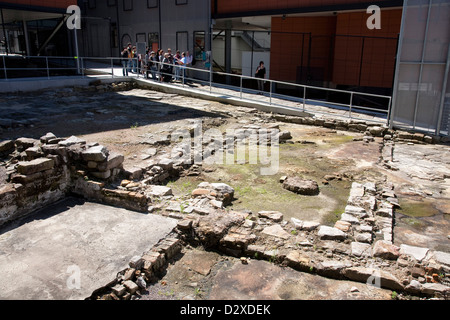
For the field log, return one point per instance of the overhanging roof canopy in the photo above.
(13, 15)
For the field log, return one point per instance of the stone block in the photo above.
(329, 233)
(272, 215)
(361, 249)
(118, 290)
(160, 191)
(114, 160)
(34, 166)
(71, 141)
(131, 287)
(200, 192)
(386, 250)
(102, 175)
(374, 277)
(301, 186)
(276, 231)
(25, 143)
(345, 217)
(6, 146)
(418, 253)
(49, 136)
(364, 237)
(343, 225)
(96, 153)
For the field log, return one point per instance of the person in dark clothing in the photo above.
(124, 55)
(260, 73)
(166, 68)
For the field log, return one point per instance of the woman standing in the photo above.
(260, 73)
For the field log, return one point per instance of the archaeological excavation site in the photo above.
(129, 191)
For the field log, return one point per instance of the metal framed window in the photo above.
(92, 4)
(126, 39)
(153, 41)
(141, 37)
(199, 44)
(182, 40)
(127, 5)
(421, 94)
(152, 4)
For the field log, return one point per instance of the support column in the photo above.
(5, 32)
(228, 50)
(27, 38)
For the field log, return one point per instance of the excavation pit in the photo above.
(341, 155)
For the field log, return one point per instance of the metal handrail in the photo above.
(81, 67)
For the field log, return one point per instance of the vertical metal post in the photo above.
(350, 107)
(26, 37)
(76, 49)
(82, 67)
(444, 88)
(138, 69)
(48, 71)
(388, 117)
(112, 68)
(5, 33)
(210, 78)
(304, 97)
(240, 87)
(424, 44)
(397, 65)
(4, 67)
(270, 97)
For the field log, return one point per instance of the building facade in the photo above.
(177, 24)
(35, 27)
(321, 42)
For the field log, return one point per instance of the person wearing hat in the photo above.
(153, 64)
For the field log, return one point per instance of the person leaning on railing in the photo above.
(124, 61)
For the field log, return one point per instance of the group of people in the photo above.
(162, 66)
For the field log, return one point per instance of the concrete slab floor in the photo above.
(42, 256)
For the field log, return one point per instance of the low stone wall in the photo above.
(40, 172)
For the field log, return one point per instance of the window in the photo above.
(153, 41)
(199, 44)
(127, 5)
(140, 37)
(92, 4)
(180, 2)
(152, 4)
(126, 39)
(182, 41)
(112, 3)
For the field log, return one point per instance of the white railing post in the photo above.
(388, 116)
(210, 79)
(270, 97)
(4, 68)
(351, 103)
(240, 87)
(304, 98)
(48, 71)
